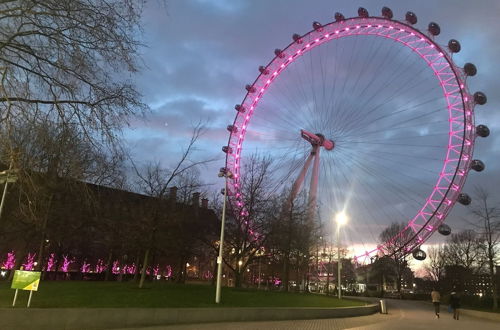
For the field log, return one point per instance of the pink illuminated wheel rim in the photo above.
(410, 169)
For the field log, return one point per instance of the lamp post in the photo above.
(341, 219)
(226, 174)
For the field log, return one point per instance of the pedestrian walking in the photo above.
(436, 301)
(455, 303)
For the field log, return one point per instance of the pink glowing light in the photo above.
(156, 270)
(116, 267)
(168, 271)
(51, 263)
(10, 262)
(85, 267)
(66, 263)
(30, 262)
(99, 266)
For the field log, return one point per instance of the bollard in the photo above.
(383, 306)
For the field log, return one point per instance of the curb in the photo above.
(112, 318)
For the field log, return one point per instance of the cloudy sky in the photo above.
(201, 53)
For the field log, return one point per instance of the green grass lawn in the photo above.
(65, 294)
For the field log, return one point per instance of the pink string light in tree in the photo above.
(10, 263)
(208, 275)
(116, 267)
(132, 268)
(66, 263)
(99, 266)
(30, 262)
(168, 271)
(156, 270)
(51, 263)
(85, 267)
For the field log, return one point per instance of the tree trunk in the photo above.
(122, 268)
(237, 279)
(109, 266)
(286, 271)
(41, 248)
(328, 275)
(399, 277)
(214, 277)
(181, 272)
(144, 268)
(493, 285)
(136, 273)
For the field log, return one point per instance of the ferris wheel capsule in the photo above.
(339, 17)
(434, 29)
(477, 165)
(419, 254)
(250, 88)
(387, 12)
(240, 108)
(411, 18)
(470, 69)
(362, 12)
(263, 70)
(464, 199)
(317, 26)
(444, 229)
(482, 131)
(454, 46)
(480, 98)
(296, 37)
(278, 52)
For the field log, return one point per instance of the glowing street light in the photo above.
(341, 219)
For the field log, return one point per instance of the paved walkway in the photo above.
(403, 314)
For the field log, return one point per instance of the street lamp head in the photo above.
(341, 218)
(240, 263)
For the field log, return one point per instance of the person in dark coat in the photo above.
(455, 303)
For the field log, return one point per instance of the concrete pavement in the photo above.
(403, 314)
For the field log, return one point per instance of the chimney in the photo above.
(204, 203)
(196, 199)
(173, 194)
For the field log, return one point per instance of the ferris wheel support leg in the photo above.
(298, 183)
(313, 189)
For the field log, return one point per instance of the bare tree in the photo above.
(487, 224)
(59, 64)
(435, 266)
(246, 225)
(53, 160)
(154, 180)
(465, 249)
(289, 233)
(395, 237)
(60, 59)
